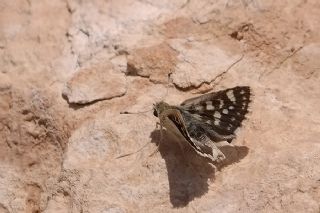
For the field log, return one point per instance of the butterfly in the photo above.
(207, 119)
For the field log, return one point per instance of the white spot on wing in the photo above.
(242, 92)
(225, 111)
(217, 115)
(230, 95)
(221, 104)
(199, 108)
(231, 107)
(209, 105)
(216, 122)
(237, 130)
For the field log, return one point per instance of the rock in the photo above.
(91, 160)
(5, 82)
(90, 144)
(93, 84)
(307, 55)
(199, 62)
(58, 203)
(5, 92)
(120, 63)
(155, 62)
(54, 158)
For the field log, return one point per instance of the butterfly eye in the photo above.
(155, 113)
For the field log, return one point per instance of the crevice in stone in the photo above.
(77, 106)
(132, 71)
(69, 9)
(220, 76)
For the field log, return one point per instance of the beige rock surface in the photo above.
(126, 55)
(99, 82)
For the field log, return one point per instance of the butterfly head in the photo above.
(159, 107)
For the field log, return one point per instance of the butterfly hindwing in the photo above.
(223, 111)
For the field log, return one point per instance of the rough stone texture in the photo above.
(193, 69)
(155, 62)
(96, 83)
(56, 156)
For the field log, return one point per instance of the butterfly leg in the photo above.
(161, 130)
(157, 125)
(161, 133)
(161, 137)
(156, 150)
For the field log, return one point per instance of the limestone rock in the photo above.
(62, 157)
(155, 62)
(93, 84)
(120, 63)
(199, 62)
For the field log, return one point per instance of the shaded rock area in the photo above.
(70, 68)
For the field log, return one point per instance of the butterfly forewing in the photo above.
(223, 111)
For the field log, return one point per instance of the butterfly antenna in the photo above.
(167, 85)
(131, 153)
(142, 112)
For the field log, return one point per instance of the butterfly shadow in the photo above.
(189, 174)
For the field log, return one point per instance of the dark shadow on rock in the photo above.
(188, 173)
